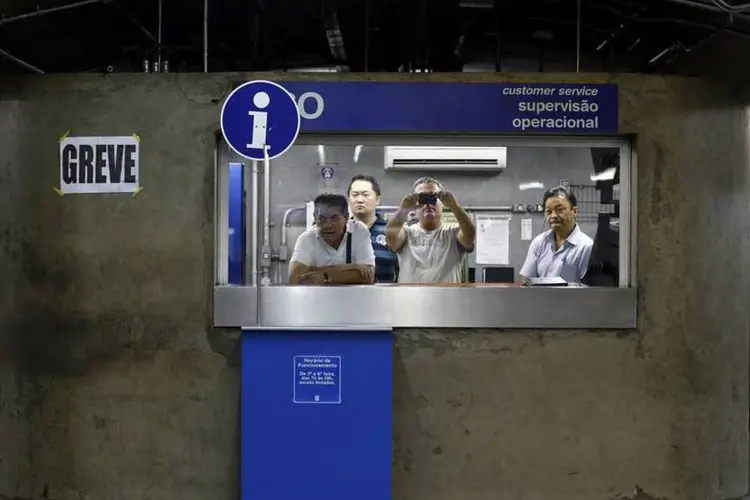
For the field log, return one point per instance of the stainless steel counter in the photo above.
(403, 306)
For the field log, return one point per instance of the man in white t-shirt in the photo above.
(336, 250)
(430, 251)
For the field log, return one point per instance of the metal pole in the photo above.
(158, 41)
(367, 35)
(265, 250)
(266, 197)
(578, 37)
(20, 62)
(254, 228)
(205, 36)
(37, 13)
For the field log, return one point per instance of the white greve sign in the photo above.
(99, 164)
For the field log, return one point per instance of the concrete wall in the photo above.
(14, 437)
(123, 398)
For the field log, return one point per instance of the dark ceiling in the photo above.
(661, 36)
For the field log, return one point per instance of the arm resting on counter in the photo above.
(296, 270)
(345, 274)
(348, 274)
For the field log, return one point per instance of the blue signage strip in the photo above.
(316, 451)
(507, 108)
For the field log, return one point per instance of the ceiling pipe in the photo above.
(617, 32)
(51, 10)
(661, 55)
(726, 28)
(668, 55)
(497, 23)
(367, 36)
(205, 36)
(333, 34)
(18, 61)
(132, 19)
(578, 37)
(709, 6)
(159, 41)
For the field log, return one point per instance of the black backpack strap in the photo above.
(348, 247)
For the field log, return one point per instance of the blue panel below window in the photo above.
(316, 415)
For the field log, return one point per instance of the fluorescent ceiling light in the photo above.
(606, 175)
(321, 155)
(313, 70)
(524, 186)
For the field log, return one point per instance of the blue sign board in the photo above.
(316, 451)
(260, 115)
(431, 107)
(317, 379)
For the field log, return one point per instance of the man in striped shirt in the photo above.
(364, 197)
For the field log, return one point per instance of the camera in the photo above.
(427, 199)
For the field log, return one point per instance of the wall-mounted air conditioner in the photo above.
(459, 158)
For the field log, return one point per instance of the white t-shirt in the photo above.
(312, 251)
(431, 256)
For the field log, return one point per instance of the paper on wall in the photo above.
(526, 229)
(493, 240)
(94, 165)
(310, 213)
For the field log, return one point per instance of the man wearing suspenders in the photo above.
(336, 250)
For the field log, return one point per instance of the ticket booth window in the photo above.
(500, 181)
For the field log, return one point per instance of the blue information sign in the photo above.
(258, 115)
(317, 379)
(316, 451)
(433, 107)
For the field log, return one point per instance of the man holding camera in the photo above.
(430, 252)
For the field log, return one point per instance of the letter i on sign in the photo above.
(260, 121)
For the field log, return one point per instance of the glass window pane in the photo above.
(500, 183)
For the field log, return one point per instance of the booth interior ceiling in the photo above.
(664, 36)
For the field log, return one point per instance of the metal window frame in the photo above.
(221, 215)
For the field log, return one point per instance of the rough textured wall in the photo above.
(13, 430)
(13, 420)
(124, 398)
(112, 298)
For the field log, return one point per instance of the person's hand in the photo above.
(448, 199)
(365, 271)
(312, 278)
(409, 202)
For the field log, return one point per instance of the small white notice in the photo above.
(310, 214)
(99, 165)
(493, 240)
(526, 229)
